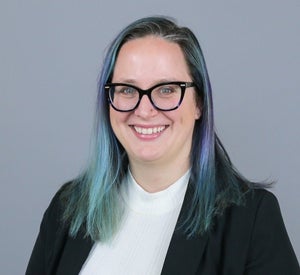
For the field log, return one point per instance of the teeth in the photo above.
(149, 131)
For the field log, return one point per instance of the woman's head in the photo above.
(163, 30)
(150, 135)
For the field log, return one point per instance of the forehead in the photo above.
(150, 58)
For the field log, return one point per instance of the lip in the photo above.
(148, 132)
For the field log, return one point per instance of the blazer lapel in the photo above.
(75, 252)
(184, 255)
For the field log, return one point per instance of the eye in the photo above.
(167, 90)
(126, 91)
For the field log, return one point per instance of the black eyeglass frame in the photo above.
(181, 84)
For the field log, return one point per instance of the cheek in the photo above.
(179, 118)
(117, 119)
(113, 117)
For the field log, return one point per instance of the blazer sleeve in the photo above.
(48, 246)
(270, 250)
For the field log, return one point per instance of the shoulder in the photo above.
(257, 218)
(58, 199)
(259, 206)
(254, 203)
(258, 199)
(53, 227)
(262, 210)
(54, 212)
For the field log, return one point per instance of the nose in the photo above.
(145, 108)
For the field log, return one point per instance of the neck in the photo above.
(154, 177)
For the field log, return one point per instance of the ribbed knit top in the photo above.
(141, 244)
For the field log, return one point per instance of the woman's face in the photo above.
(149, 135)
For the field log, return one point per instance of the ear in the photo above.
(198, 112)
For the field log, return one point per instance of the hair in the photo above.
(92, 202)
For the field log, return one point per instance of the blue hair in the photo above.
(91, 201)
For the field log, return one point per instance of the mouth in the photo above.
(150, 130)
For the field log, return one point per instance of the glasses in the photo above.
(164, 96)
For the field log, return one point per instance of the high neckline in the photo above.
(141, 201)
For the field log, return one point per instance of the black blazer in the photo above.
(245, 240)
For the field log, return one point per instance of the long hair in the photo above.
(92, 199)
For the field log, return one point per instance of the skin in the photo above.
(158, 159)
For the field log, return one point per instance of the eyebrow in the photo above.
(134, 82)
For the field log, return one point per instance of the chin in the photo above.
(147, 158)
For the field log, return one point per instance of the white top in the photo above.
(141, 244)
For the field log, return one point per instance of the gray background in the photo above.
(50, 56)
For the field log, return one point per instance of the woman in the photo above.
(160, 195)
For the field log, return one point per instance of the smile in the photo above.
(149, 131)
